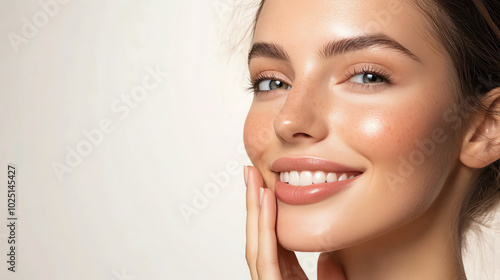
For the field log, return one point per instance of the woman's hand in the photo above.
(266, 259)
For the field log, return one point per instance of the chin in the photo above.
(325, 227)
(300, 240)
(307, 228)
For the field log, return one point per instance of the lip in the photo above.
(310, 164)
(300, 195)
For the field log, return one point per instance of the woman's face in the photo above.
(362, 86)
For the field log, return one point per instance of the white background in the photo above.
(117, 214)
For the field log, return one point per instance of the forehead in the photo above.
(312, 23)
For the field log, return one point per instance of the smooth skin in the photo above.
(266, 258)
(397, 220)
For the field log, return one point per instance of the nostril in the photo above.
(301, 134)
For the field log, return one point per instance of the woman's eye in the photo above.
(367, 78)
(266, 85)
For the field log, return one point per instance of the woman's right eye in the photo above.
(270, 84)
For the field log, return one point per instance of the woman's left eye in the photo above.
(367, 78)
(271, 84)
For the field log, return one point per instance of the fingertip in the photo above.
(254, 176)
(245, 172)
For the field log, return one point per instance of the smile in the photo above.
(305, 178)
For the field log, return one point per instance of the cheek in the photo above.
(383, 132)
(372, 127)
(410, 151)
(257, 134)
(388, 136)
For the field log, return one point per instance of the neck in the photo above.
(422, 255)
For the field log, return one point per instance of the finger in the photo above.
(289, 265)
(254, 184)
(267, 257)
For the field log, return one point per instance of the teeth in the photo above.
(343, 177)
(332, 177)
(306, 178)
(319, 177)
(294, 178)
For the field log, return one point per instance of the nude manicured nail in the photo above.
(246, 174)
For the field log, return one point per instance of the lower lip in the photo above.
(296, 195)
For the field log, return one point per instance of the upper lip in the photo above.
(310, 164)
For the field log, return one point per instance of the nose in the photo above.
(301, 119)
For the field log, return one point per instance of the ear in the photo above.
(481, 144)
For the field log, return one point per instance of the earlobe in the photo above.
(481, 144)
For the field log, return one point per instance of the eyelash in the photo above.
(254, 83)
(370, 69)
(366, 69)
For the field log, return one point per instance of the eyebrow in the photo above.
(342, 46)
(269, 50)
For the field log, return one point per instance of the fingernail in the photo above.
(246, 174)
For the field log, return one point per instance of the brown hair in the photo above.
(469, 31)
